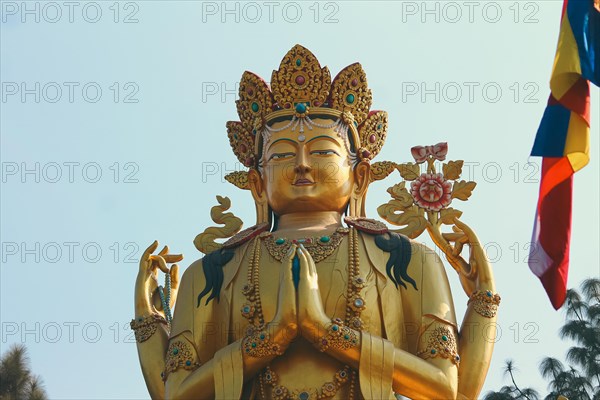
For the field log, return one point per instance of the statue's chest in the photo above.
(337, 292)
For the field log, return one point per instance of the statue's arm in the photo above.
(412, 376)
(151, 354)
(433, 371)
(382, 366)
(476, 343)
(416, 377)
(214, 372)
(478, 332)
(149, 323)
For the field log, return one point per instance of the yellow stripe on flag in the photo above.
(567, 68)
(577, 145)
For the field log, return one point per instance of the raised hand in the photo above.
(475, 274)
(311, 314)
(146, 296)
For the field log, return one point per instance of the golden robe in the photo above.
(399, 315)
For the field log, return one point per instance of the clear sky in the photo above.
(113, 135)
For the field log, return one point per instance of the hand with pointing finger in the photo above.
(146, 296)
(476, 274)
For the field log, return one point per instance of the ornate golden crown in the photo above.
(301, 89)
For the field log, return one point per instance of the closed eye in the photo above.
(281, 156)
(324, 152)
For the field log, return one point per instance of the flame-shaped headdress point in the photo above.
(300, 88)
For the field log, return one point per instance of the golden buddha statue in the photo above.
(309, 303)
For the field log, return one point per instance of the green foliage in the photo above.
(16, 379)
(580, 380)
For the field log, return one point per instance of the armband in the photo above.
(441, 343)
(258, 344)
(179, 355)
(338, 336)
(485, 303)
(144, 327)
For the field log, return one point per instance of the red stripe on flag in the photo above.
(577, 99)
(564, 9)
(554, 210)
(554, 171)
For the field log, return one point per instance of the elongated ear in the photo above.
(255, 183)
(362, 174)
(257, 188)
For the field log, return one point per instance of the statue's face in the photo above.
(313, 174)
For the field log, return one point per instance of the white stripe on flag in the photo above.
(539, 261)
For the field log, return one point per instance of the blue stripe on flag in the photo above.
(552, 134)
(585, 24)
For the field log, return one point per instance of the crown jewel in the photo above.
(301, 88)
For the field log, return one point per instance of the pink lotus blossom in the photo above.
(431, 192)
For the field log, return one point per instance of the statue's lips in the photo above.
(303, 182)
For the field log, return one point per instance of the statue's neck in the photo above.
(308, 223)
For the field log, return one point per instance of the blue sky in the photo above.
(113, 135)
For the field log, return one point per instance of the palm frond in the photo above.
(591, 289)
(529, 393)
(573, 304)
(14, 372)
(550, 367)
(497, 396)
(593, 314)
(579, 355)
(35, 390)
(509, 367)
(575, 330)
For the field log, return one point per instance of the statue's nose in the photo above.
(302, 166)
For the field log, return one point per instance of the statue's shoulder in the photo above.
(217, 268)
(376, 235)
(245, 236)
(367, 225)
(389, 252)
(426, 256)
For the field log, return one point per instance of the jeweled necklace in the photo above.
(318, 247)
(355, 304)
(328, 389)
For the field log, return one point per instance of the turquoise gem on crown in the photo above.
(300, 108)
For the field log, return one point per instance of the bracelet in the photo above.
(144, 327)
(485, 303)
(258, 344)
(178, 355)
(338, 336)
(441, 343)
